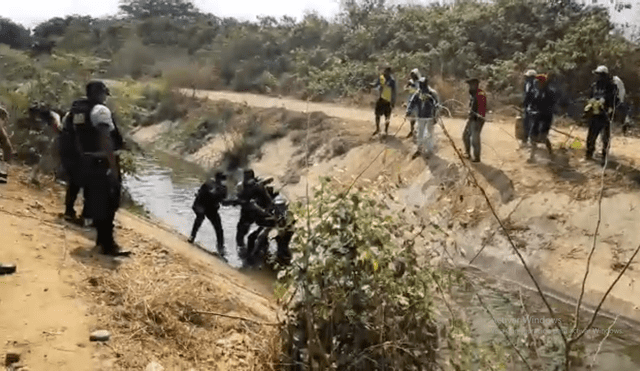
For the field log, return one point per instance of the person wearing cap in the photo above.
(475, 122)
(603, 99)
(413, 85)
(207, 203)
(542, 106)
(88, 150)
(425, 103)
(386, 100)
(529, 94)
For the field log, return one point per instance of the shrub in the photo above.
(361, 302)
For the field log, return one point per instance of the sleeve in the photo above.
(412, 103)
(482, 103)
(101, 115)
(393, 91)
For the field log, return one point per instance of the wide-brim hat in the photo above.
(473, 80)
(530, 73)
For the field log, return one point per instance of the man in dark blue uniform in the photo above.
(254, 200)
(208, 199)
(96, 140)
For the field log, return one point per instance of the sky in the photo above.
(31, 12)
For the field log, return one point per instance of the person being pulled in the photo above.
(413, 85)
(278, 218)
(541, 115)
(386, 100)
(254, 200)
(425, 102)
(95, 136)
(602, 100)
(477, 110)
(207, 203)
(529, 94)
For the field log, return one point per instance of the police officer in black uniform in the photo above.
(208, 199)
(96, 140)
(254, 200)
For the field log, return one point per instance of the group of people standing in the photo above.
(260, 205)
(606, 96)
(422, 108)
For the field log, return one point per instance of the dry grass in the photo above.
(154, 305)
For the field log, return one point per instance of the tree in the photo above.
(143, 9)
(14, 35)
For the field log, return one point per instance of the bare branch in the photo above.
(494, 232)
(240, 318)
(603, 340)
(595, 313)
(504, 229)
(503, 332)
(576, 320)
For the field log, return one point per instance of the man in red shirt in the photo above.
(477, 110)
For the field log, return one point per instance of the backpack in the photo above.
(621, 89)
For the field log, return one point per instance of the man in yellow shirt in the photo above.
(387, 99)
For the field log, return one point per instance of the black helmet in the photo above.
(248, 173)
(96, 87)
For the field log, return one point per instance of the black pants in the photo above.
(258, 243)
(383, 108)
(214, 218)
(527, 122)
(599, 124)
(102, 200)
(283, 239)
(246, 219)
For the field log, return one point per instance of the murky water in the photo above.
(166, 187)
(167, 193)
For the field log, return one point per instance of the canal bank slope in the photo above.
(549, 207)
(170, 303)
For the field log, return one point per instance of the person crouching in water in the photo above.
(542, 115)
(425, 102)
(207, 203)
(413, 85)
(387, 99)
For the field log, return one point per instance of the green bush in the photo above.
(360, 302)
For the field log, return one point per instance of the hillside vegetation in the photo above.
(327, 59)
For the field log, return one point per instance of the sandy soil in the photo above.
(63, 290)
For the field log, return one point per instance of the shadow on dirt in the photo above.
(631, 173)
(560, 168)
(92, 257)
(498, 180)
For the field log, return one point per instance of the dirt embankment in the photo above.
(549, 207)
(170, 303)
